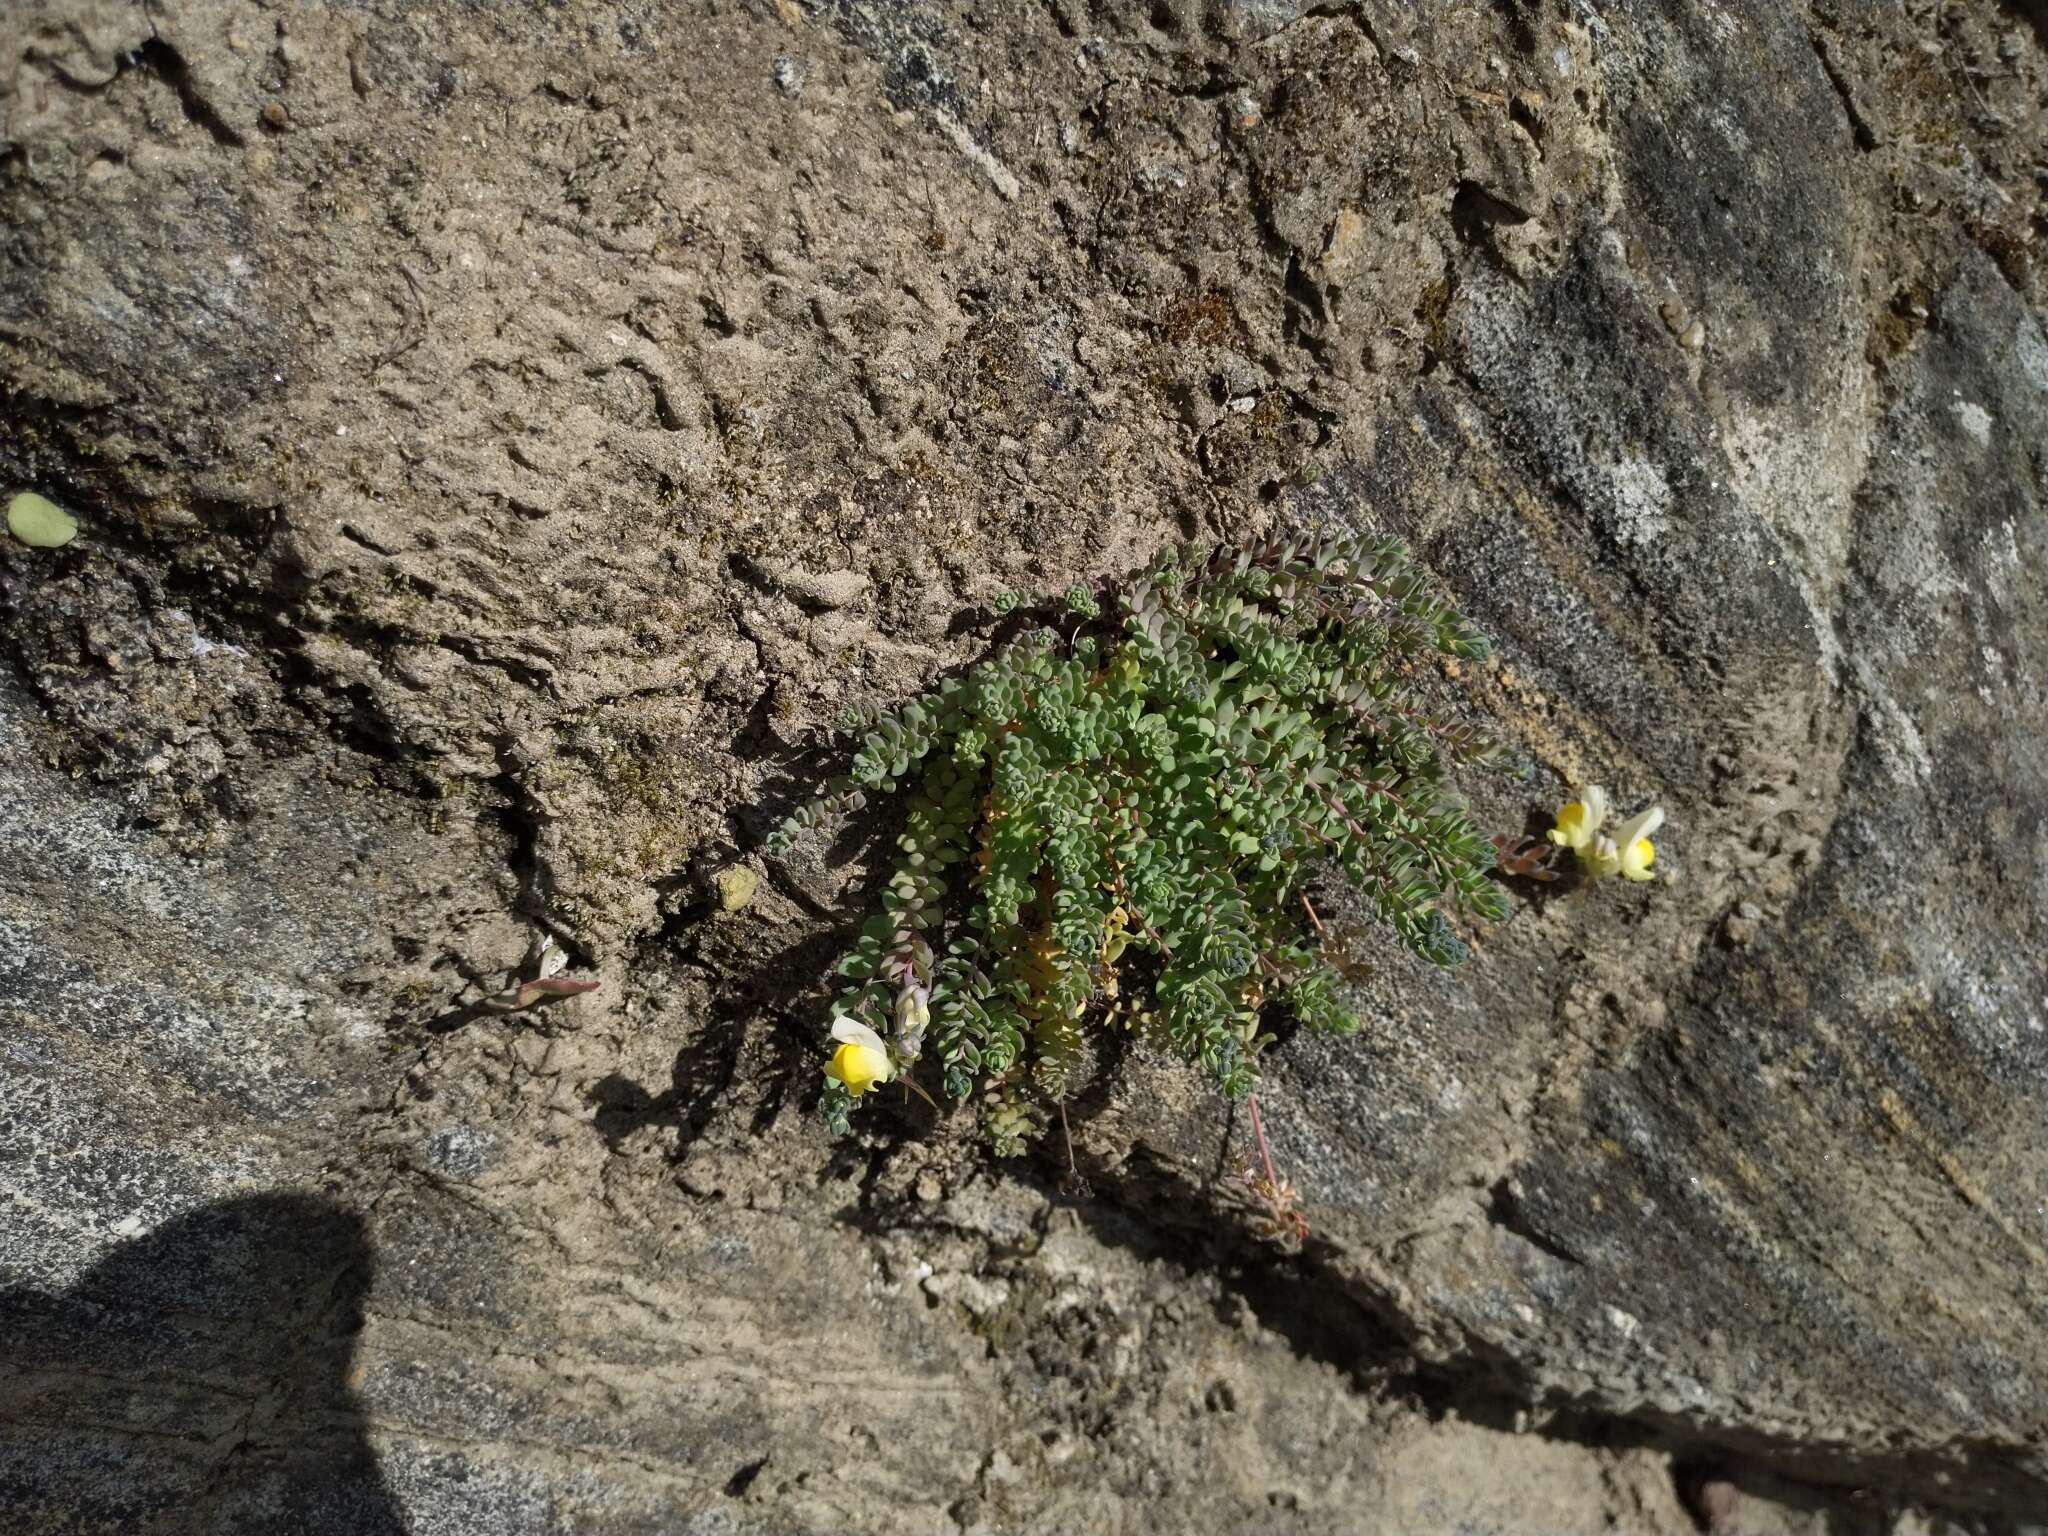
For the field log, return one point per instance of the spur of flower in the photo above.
(1627, 851)
(862, 1061)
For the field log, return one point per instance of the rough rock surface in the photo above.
(503, 436)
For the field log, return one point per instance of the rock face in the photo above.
(500, 440)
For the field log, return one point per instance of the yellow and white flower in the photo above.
(1578, 821)
(1628, 852)
(1631, 849)
(862, 1060)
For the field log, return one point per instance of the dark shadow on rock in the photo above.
(763, 1045)
(1159, 1212)
(1314, 1299)
(196, 1380)
(2036, 12)
(759, 1050)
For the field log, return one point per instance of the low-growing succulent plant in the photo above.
(1109, 824)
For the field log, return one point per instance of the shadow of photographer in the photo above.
(197, 1379)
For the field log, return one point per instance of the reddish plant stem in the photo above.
(1309, 907)
(1259, 1135)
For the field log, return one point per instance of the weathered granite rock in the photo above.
(501, 438)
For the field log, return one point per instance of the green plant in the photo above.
(1109, 824)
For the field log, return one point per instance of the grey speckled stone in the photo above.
(500, 472)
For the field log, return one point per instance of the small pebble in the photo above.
(827, 589)
(275, 116)
(39, 521)
(1693, 337)
(1718, 1504)
(736, 887)
(531, 1051)
(790, 76)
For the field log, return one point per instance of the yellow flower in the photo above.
(1628, 853)
(1635, 852)
(862, 1060)
(1578, 821)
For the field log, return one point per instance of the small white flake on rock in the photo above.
(1973, 419)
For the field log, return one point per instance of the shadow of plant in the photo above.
(760, 1046)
